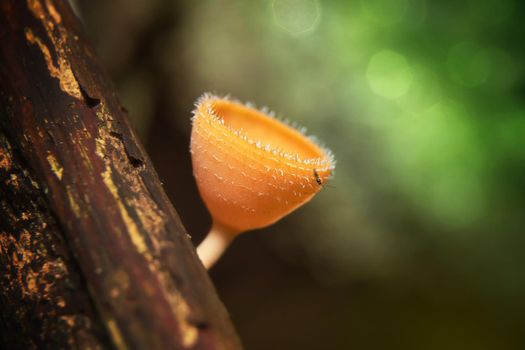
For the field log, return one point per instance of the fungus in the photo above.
(251, 169)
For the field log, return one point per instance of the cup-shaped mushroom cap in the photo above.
(252, 169)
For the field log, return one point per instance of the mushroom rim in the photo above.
(205, 106)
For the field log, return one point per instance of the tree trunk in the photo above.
(92, 253)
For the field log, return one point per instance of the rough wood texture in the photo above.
(43, 303)
(89, 180)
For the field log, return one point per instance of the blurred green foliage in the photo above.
(422, 103)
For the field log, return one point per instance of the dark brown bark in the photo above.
(93, 254)
(43, 301)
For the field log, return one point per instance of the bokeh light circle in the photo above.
(389, 74)
(468, 64)
(296, 16)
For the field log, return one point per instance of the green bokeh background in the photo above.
(419, 242)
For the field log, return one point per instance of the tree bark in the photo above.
(93, 254)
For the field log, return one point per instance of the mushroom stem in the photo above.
(214, 245)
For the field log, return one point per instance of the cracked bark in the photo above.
(93, 255)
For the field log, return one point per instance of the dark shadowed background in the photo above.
(419, 244)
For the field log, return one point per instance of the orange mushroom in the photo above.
(251, 169)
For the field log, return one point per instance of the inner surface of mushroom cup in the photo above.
(252, 169)
(266, 129)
